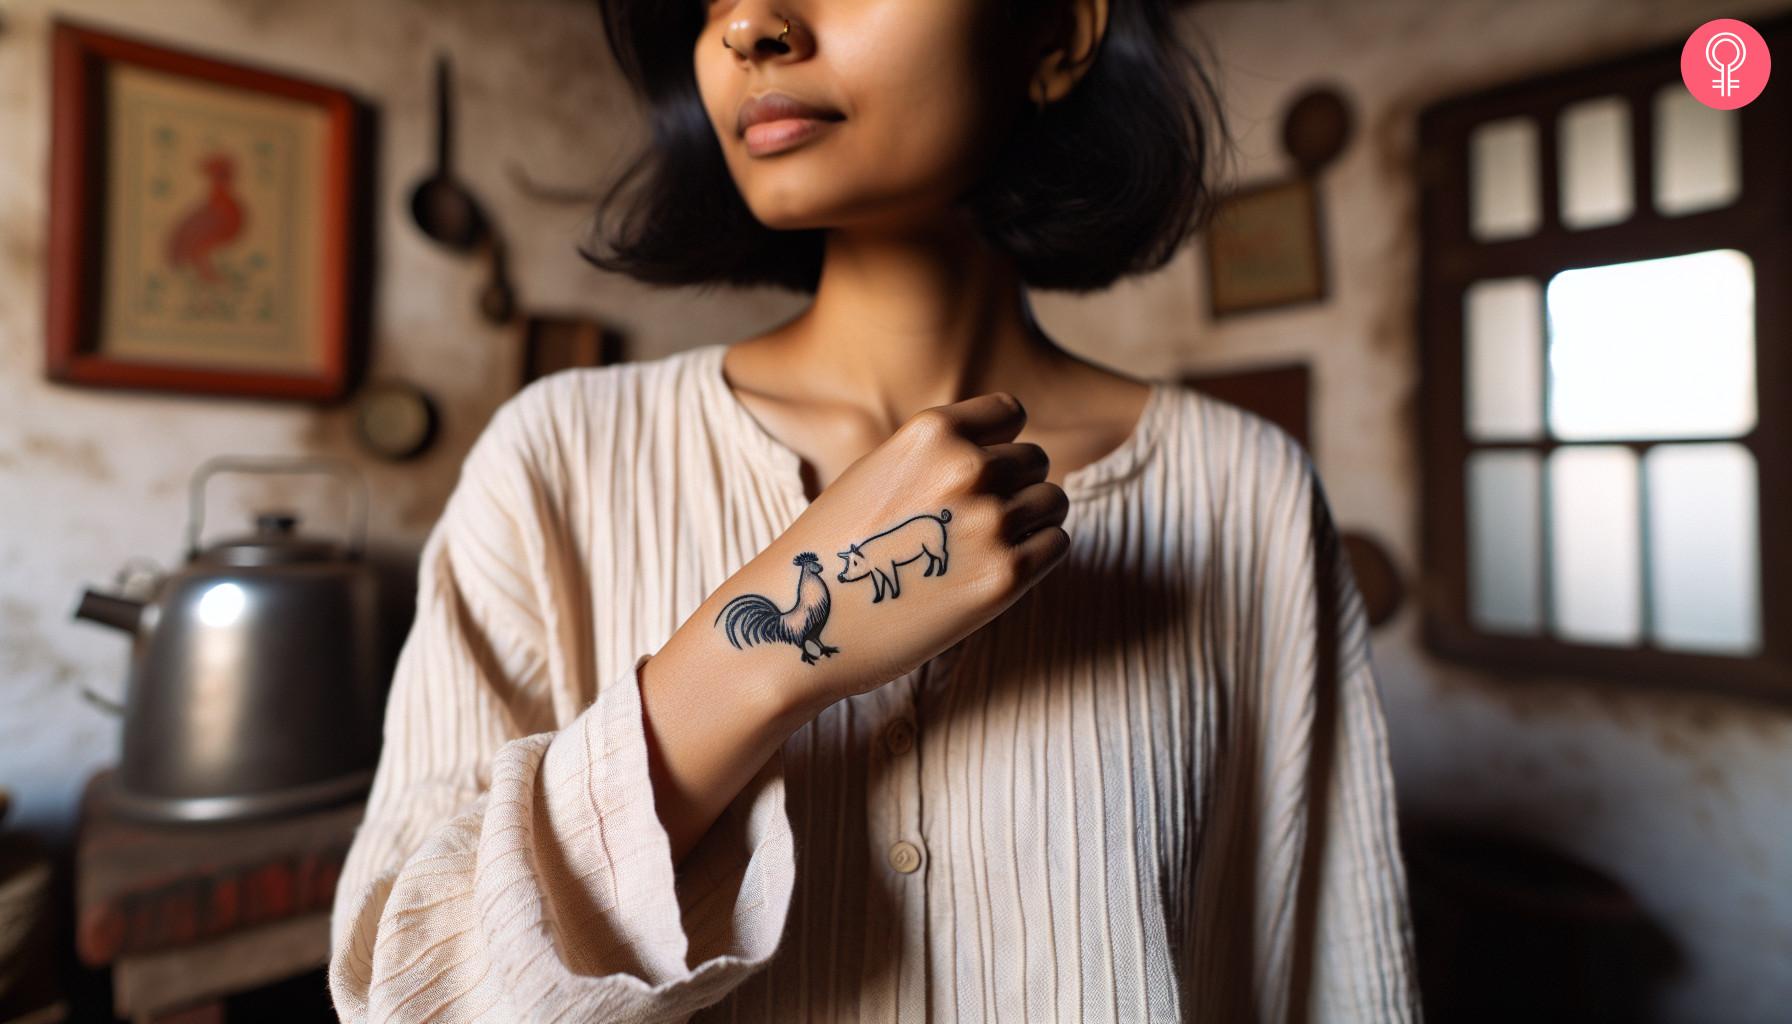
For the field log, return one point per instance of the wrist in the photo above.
(764, 689)
(788, 702)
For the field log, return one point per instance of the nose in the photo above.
(760, 32)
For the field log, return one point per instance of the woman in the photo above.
(791, 679)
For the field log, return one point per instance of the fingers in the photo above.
(988, 419)
(1041, 552)
(1033, 508)
(1015, 465)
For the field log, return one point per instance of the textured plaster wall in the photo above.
(1686, 800)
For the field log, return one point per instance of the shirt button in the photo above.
(905, 856)
(900, 736)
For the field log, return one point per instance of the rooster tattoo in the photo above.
(753, 619)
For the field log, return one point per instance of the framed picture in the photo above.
(1264, 249)
(552, 343)
(202, 223)
(1281, 394)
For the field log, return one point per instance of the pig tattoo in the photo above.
(878, 556)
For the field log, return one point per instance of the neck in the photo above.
(923, 316)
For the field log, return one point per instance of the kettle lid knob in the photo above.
(275, 522)
(274, 542)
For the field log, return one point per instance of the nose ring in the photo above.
(781, 35)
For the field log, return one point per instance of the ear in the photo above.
(1070, 44)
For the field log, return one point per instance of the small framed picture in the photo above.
(202, 223)
(1264, 249)
(552, 343)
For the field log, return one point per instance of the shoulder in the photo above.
(548, 445)
(552, 425)
(1240, 455)
(1277, 522)
(546, 449)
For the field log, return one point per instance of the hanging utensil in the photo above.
(497, 302)
(440, 204)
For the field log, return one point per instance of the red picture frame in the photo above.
(298, 302)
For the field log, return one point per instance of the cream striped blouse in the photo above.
(1155, 789)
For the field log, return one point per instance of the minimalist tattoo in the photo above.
(878, 556)
(753, 619)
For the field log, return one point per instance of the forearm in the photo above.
(715, 714)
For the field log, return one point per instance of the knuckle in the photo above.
(1057, 543)
(963, 470)
(930, 425)
(1009, 521)
(971, 519)
(1015, 518)
(990, 513)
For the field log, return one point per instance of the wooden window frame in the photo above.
(1758, 223)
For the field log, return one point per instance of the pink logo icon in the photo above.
(1725, 64)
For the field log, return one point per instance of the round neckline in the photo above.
(1084, 482)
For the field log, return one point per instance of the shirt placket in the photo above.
(899, 853)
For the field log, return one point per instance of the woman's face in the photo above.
(914, 92)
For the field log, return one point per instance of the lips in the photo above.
(776, 106)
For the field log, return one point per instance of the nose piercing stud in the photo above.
(781, 35)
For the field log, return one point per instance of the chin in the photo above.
(801, 209)
(790, 220)
(794, 210)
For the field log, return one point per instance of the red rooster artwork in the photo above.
(212, 223)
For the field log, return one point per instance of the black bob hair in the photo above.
(1107, 182)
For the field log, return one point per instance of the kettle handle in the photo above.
(276, 464)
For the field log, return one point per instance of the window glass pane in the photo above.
(1704, 547)
(1503, 179)
(1595, 579)
(1503, 361)
(1505, 549)
(1655, 348)
(1698, 163)
(1593, 138)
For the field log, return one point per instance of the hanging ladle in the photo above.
(442, 206)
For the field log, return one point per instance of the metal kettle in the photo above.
(254, 685)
